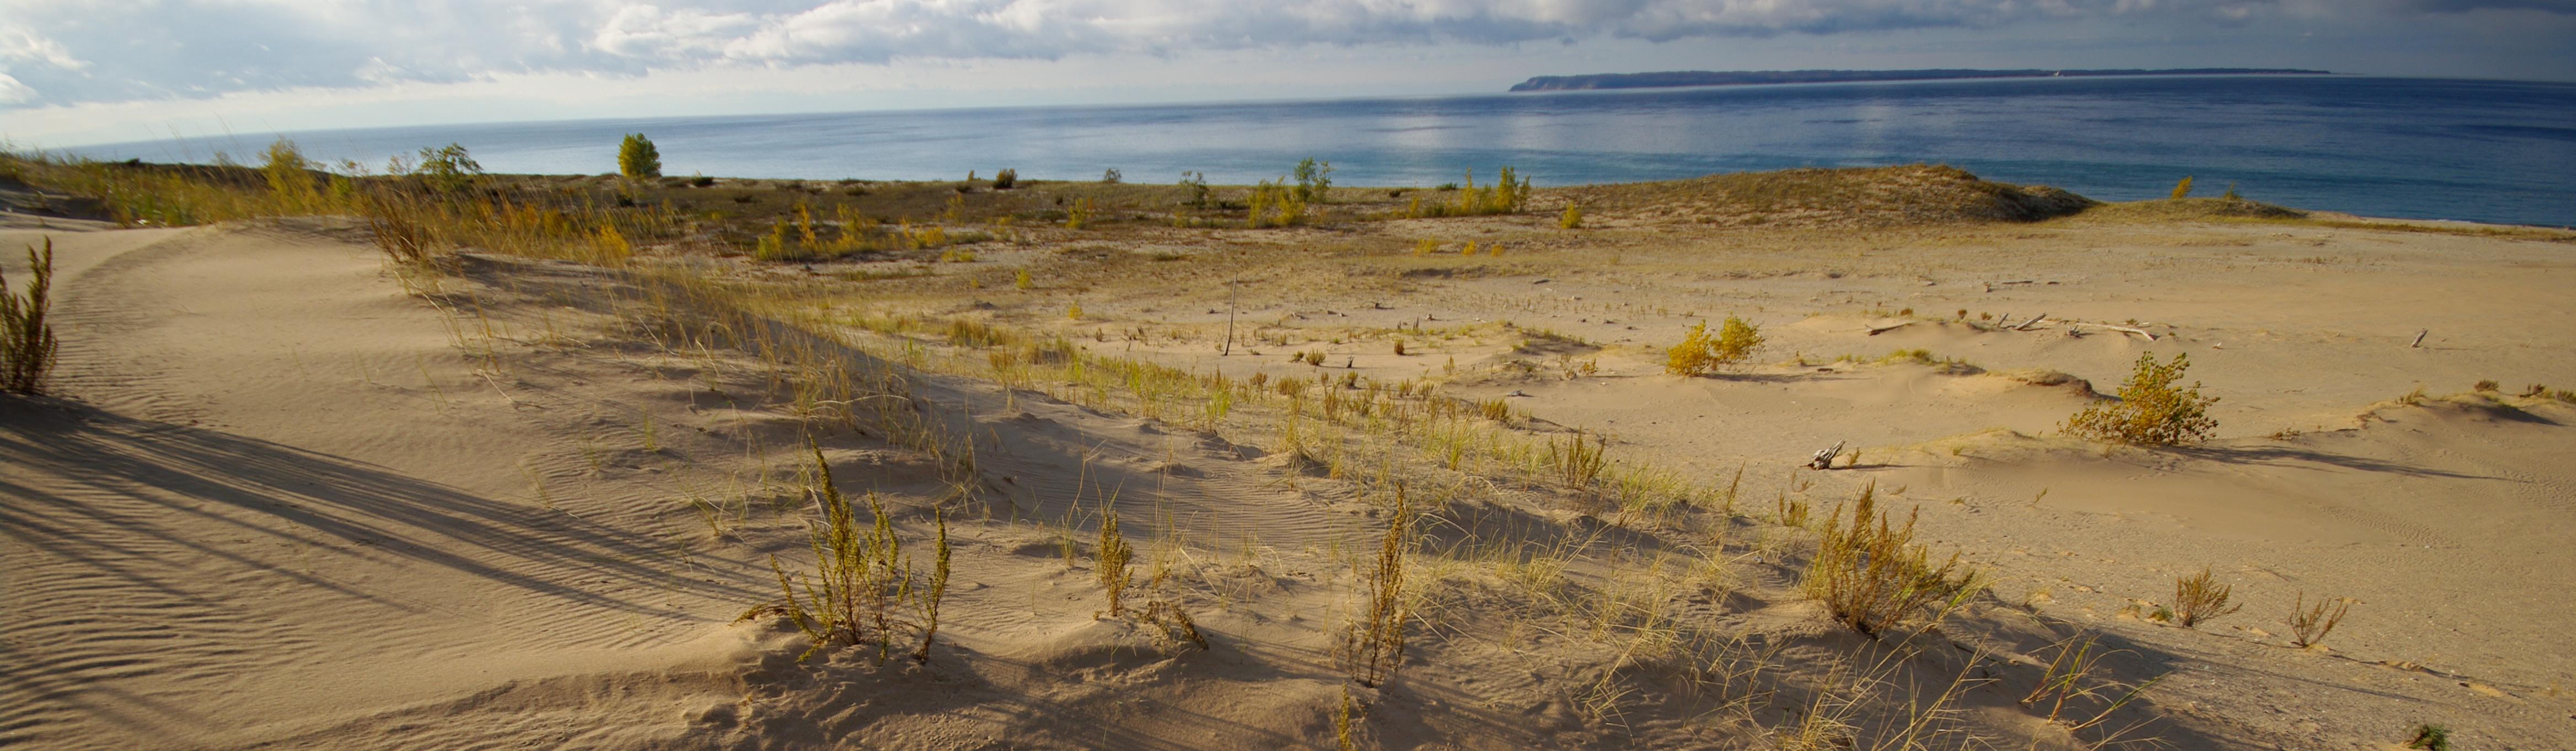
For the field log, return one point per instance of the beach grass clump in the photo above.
(2076, 679)
(1575, 462)
(1872, 575)
(2153, 409)
(1572, 218)
(637, 158)
(27, 342)
(2198, 598)
(864, 589)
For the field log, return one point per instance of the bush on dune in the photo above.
(2153, 409)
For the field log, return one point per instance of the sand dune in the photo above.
(291, 496)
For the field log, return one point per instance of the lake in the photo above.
(2490, 151)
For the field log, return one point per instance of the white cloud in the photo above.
(13, 92)
(21, 45)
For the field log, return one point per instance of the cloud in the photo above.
(13, 92)
(2567, 7)
(74, 51)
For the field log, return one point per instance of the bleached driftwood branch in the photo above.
(2122, 329)
(1825, 459)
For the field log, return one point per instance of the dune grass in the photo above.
(1872, 575)
(864, 590)
(28, 347)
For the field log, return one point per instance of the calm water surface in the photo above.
(2488, 151)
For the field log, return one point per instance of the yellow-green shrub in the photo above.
(2152, 409)
(1698, 353)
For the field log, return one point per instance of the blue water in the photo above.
(2489, 151)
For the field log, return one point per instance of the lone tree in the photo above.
(636, 157)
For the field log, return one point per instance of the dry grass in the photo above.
(2309, 625)
(2197, 598)
(27, 342)
(1376, 648)
(862, 583)
(1873, 576)
(1109, 563)
(2077, 689)
(1880, 196)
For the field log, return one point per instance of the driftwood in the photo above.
(1884, 329)
(2419, 338)
(2034, 321)
(1825, 459)
(2122, 329)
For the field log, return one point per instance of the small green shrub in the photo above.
(1314, 179)
(447, 169)
(637, 158)
(1572, 218)
(2431, 737)
(2152, 409)
(1079, 216)
(1006, 179)
(1275, 204)
(1509, 195)
(288, 178)
(1197, 183)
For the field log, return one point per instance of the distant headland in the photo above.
(1676, 78)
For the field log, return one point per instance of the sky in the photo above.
(75, 72)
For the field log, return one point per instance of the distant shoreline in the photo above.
(1692, 78)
